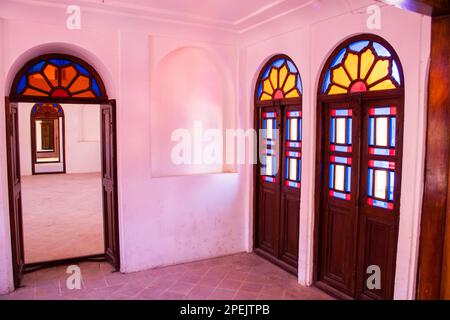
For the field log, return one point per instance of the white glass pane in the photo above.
(268, 165)
(269, 128)
(340, 130)
(292, 169)
(382, 132)
(339, 178)
(380, 184)
(293, 130)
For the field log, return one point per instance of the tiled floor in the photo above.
(62, 216)
(239, 277)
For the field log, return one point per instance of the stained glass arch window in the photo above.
(278, 80)
(58, 76)
(364, 63)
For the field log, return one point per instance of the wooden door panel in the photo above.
(290, 229)
(109, 184)
(379, 244)
(267, 215)
(15, 190)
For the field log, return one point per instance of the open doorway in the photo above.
(62, 213)
(70, 216)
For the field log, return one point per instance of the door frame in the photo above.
(17, 274)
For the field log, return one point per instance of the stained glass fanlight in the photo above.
(58, 76)
(362, 66)
(279, 80)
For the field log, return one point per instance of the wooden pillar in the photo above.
(434, 264)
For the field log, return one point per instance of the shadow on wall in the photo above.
(188, 86)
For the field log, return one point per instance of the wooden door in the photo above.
(278, 185)
(359, 210)
(15, 191)
(109, 183)
(339, 217)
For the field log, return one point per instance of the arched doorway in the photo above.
(47, 139)
(278, 115)
(56, 79)
(358, 178)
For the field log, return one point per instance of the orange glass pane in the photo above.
(351, 64)
(51, 73)
(367, 59)
(85, 94)
(337, 90)
(67, 75)
(283, 73)
(380, 71)
(340, 77)
(290, 83)
(274, 78)
(32, 92)
(81, 83)
(37, 80)
(384, 85)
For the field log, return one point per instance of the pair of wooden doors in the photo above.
(277, 177)
(359, 186)
(109, 188)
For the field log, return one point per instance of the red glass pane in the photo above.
(60, 93)
(358, 87)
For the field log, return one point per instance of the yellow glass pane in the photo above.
(380, 184)
(267, 87)
(32, 92)
(51, 72)
(293, 169)
(86, 94)
(67, 75)
(283, 74)
(384, 85)
(274, 77)
(37, 80)
(265, 97)
(351, 63)
(293, 94)
(340, 77)
(381, 138)
(290, 82)
(339, 178)
(367, 59)
(380, 71)
(81, 83)
(337, 90)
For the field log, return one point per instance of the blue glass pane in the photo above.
(326, 82)
(82, 70)
(332, 130)
(349, 130)
(391, 185)
(380, 204)
(299, 169)
(287, 169)
(370, 183)
(393, 128)
(299, 85)
(266, 73)
(288, 125)
(37, 67)
(95, 88)
(380, 50)
(278, 63)
(22, 84)
(331, 176)
(60, 62)
(359, 45)
(260, 90)
(348, 179)
(338, 58)
(300, 129)
(371, 131)
(291, 67)
(395, 73)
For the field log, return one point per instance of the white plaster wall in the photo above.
(309, 46)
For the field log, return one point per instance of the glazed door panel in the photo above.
(15, 190)
(278, 185)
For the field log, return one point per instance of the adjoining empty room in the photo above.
(60, 165)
